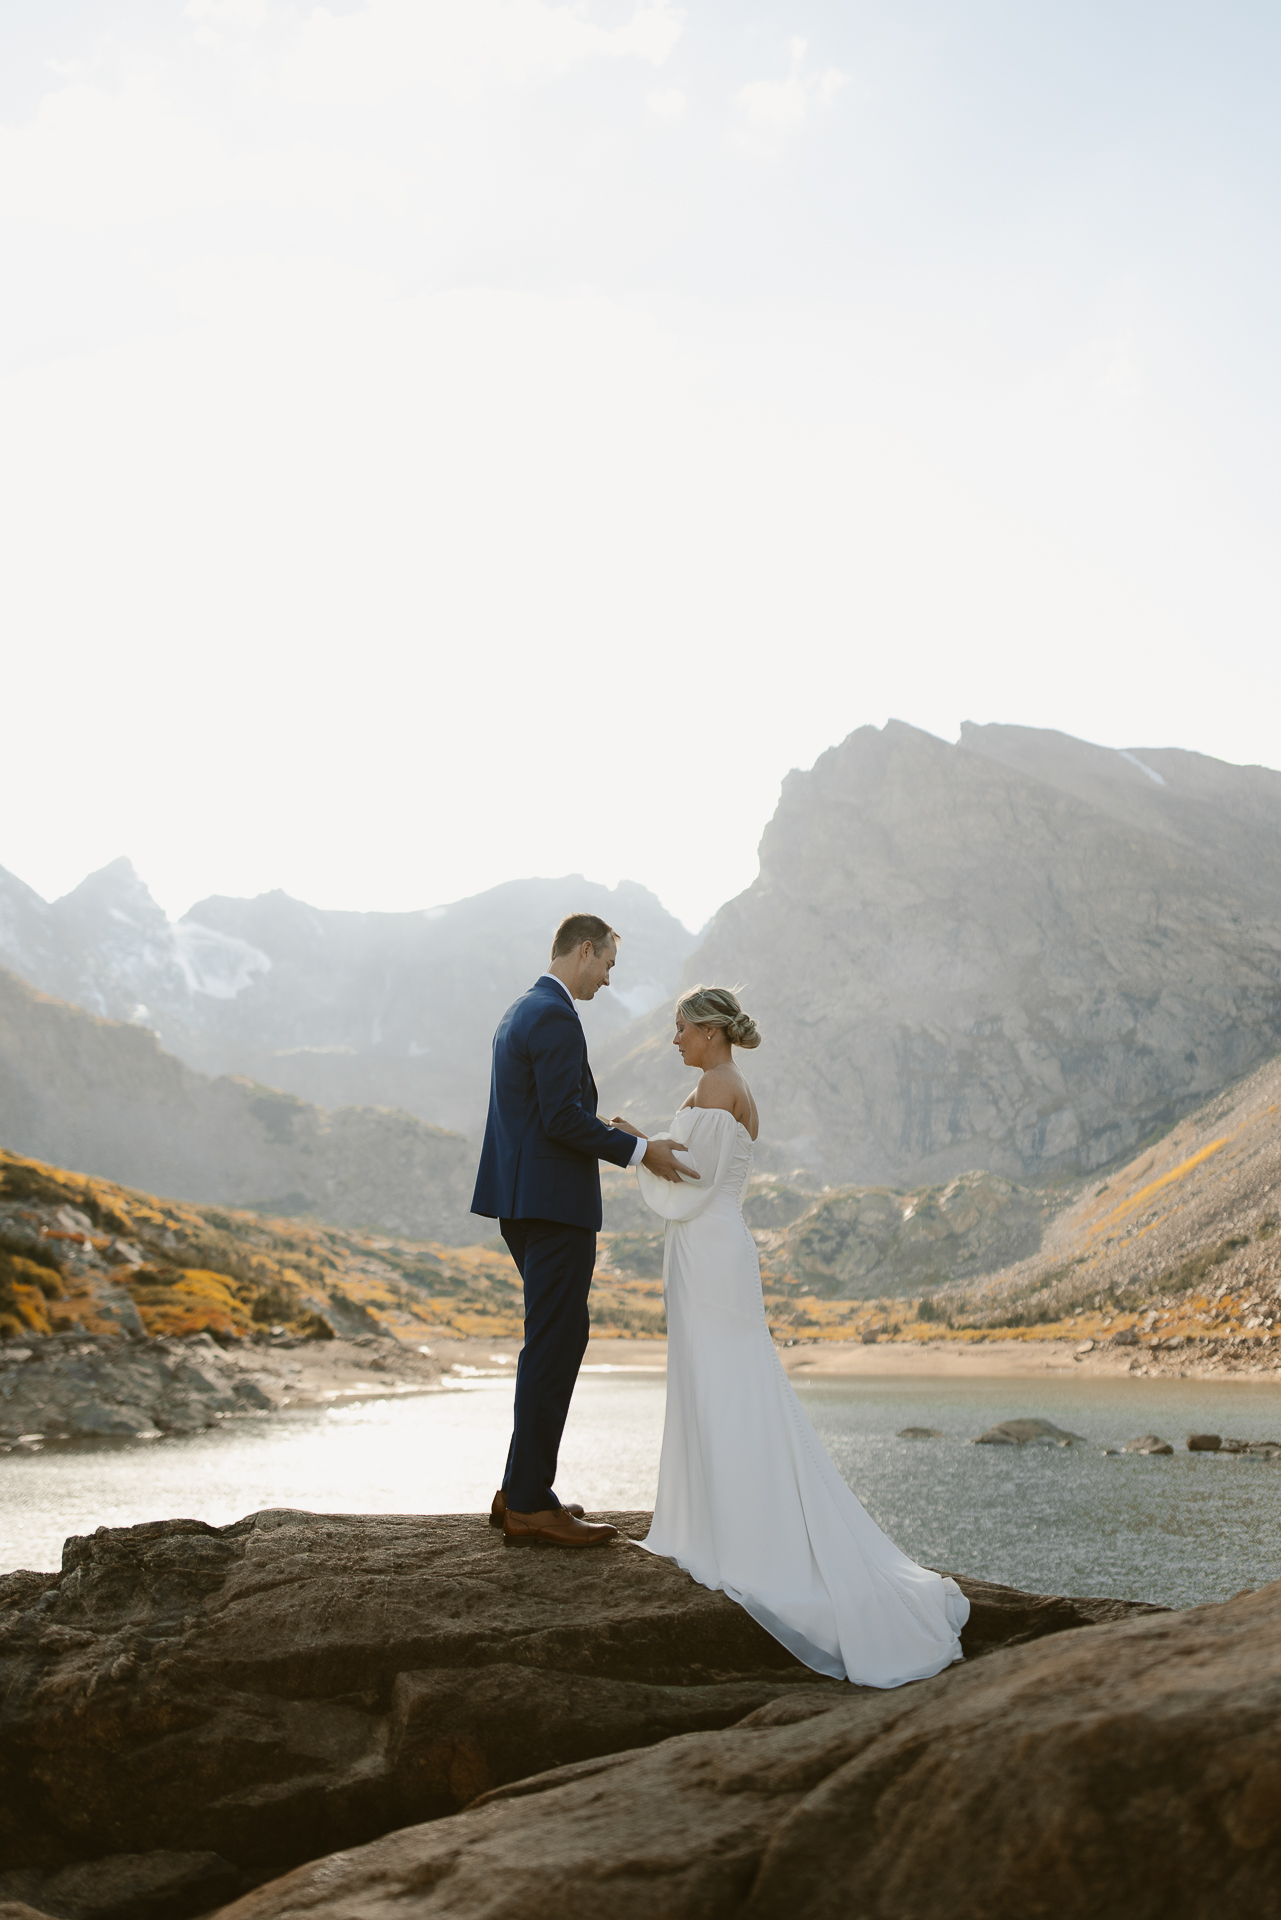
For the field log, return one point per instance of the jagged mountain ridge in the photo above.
(1021, 953)
(343, 1009)
(102, 1097)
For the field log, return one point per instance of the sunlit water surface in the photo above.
(1181, 1530)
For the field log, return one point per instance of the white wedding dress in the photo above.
(748, 1499)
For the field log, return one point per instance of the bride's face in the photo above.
(695, 1045)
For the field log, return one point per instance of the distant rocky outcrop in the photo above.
(101, 1096)
(869, 1241)
(1128, 1773)
(1187, 1232)
(1019, 953)
(858, 1242)
(344, 1009)
(196, 1708)
(73, 1387)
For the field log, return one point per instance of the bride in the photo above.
(748, 1499)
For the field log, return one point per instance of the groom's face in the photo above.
(596, 965)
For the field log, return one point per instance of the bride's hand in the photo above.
(625, 1126)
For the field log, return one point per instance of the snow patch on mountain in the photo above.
(217, 964)
(1157, 778)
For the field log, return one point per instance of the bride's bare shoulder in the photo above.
(725, 1087)
(715, 1089)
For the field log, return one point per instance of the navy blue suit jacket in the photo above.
(542, 1137)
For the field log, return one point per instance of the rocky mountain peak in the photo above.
(26, 938)
(122, 940)
(1204, 805)
(113, 889)
(343, 1008)
(1020, 952)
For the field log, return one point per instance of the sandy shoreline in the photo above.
(841, 1359)
(941, 1359)
(993, 1359)
(461, 1357)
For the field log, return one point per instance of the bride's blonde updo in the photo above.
(719, 1007)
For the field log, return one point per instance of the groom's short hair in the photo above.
(577, 927)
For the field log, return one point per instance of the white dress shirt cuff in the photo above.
(638, 1153)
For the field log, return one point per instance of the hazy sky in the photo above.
(449, 440)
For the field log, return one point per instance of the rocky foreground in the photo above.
(1132, 1772)
(401, 1713)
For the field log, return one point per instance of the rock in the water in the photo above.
(269, 1691)
(1148, 1443)
(1204, 1443)
(1023, 1433)
(921, 1433)
(1130, 1773)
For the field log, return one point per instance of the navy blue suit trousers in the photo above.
(556, 1263)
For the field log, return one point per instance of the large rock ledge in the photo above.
(1128, 1773)
(186, 1712)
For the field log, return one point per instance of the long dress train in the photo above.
(748, 1499)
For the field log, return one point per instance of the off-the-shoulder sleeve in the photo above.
(708, 1136)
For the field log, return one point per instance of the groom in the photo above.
(539, 1179)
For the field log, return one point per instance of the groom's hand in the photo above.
(660, 1158)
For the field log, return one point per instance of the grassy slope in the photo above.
(182, 1267)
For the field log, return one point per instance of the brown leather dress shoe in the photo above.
(499, 1508)
(555, 1528)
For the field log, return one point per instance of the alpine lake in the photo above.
(1180, 1529)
